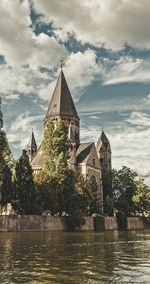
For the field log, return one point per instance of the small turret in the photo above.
(32, 147)
(104, 153)
(72, 139)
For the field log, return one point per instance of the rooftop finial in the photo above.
(61, 63)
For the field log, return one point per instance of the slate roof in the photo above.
(82, 155)
(61, 102)
(32, 142)
(83, 152)
(37, 160)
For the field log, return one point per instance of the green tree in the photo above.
(107, 193)
(124, 188)
(141, 198)
(55, 148)
(24, 190)
(2, 146)
(76, 198)
(47, 193)
(108, 205)
(94, 206)
(6, 187)
(73, 191)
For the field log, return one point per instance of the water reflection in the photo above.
(62, 257)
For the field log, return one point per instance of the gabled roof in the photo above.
(32, 142)
(83, 152)
(103, 141)
(61, 102)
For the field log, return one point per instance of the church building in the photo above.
(92, 161)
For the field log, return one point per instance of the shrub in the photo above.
(99, 222)
(122, 220)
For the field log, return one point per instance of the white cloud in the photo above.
(80, 71)
(23, 125)
(18, 42)
(109, 22)
(125, 69)
(147, 99)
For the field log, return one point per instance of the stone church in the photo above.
(91, 160)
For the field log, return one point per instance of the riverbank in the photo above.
(27, 223)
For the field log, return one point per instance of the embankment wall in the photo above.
(15, 223)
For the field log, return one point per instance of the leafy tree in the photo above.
(76, 198)
(6, 160)
(55, 148)
(6, 186)
(2, 146)
(107, 193)
(94, 206)
(141, 198)
(72, 190)
(124, 188)
(108, 205)
(47, 193)
(24, 195)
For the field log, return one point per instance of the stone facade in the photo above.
(91, 161)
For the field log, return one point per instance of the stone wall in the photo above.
(135, 223)
(111, 223)
(15, 223)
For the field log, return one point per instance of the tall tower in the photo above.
(62, 107)
(104, 153)
(32, 147)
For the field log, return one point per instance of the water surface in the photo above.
(77, 258)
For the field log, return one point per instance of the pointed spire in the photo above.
(61, 102)
(71, 135)
(32, 142)
(103, 140)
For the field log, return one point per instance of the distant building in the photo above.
(91, 161)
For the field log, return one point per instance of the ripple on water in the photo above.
(75, 258)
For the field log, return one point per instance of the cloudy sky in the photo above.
(105, 46)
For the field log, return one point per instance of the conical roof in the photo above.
(32, 142)
(103, 140)
(61, 102)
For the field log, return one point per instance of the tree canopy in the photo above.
(6, 161)
(130, 194)
(24, 190)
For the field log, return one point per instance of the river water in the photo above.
(76, 258)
